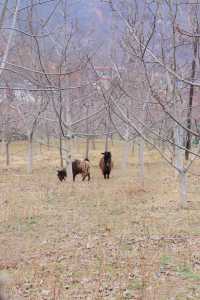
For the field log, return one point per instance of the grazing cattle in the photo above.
(81, 167)
(78, 167)
(106, 164)
(62, 174)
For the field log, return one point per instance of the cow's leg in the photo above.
(104, 174)
(84, 176)
(88, 176)
(74, 176)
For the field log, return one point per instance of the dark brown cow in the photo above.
(106, 164)
(81, 167)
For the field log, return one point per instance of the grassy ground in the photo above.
(102, 240)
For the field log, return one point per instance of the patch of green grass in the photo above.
(32, 221)
(186, 272)
(27, 224)
(117, 212)
(165, 260)
(50, 196)
(195, 230)
(126, 247)
(180, 297)
(136, 284)
(20, 225)
(111, 268)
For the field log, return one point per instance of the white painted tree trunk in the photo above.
(141, 160)
(183, 188)
(178, 139)
(112, 141)
(30, 154)
(179, 163)
(75, 144)
(68, 158)
(40, 148)
(126, 150)
(3, 146)
(178, 153)
(87, 131)
(107, 135)
(48, 141)
(133, 147)
(68, 141)
(93, 144)
(87, 147)
(61, 151)
(106, 143)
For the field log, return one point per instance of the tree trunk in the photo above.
(87, 148)
(183, 188)
(7, 153)
(87, 131)
(112, 140)
(68, 142)
(2, 145)
(125, 155)
(75, 144)
(126, 150)
(93, 144)
(68, 158)
(30, 153)
(179, 163)
(141, 161)
(133, 147)
(107, 132)
(47, 136)
(48, 142)
(178, 138)
(40, 148)
(191, 95)
(106, 143)
(61, 152)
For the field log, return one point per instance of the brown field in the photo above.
(102, 240)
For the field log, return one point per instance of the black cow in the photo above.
(106, 164)
(62, 174)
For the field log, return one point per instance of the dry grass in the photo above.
(102, 240)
